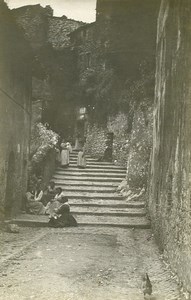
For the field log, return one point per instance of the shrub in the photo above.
(42, 141)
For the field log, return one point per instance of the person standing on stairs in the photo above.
(69, 146)
(81, 161)
(65, 156)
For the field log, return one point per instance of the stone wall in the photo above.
(169, 201)
(54, 64)
(33, 20)
(97, 135)
(59, 29)
(119, 125)
(95, 141)
(15, 113)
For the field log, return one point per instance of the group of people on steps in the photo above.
(51, 200)
(63, 155)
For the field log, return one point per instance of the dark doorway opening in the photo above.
(108, 155)
(10, 186)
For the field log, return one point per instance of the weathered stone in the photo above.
(15, 112)
(53, 63)
(169, 202)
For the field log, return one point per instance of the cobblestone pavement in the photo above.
(82, 263)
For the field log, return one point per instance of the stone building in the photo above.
(170, 197)
(54, 67)
(116, 64)
(15, 113)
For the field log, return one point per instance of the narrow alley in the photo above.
(95, 150)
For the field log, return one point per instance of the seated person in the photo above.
(33, 204)
(49, 193)
(63, 217)
(55, 202)
(38, 192)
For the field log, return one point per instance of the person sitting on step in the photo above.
(49, 193)
(55, 202)
(62, 216)
(33, 202)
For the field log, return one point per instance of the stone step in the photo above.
(92, 189)
(75, 150)
(109, 211)
(127, 222)
(105, 203)
(93, 161)
(75, 154)
(90, 169)
(84, 220)
(76, 183)
(98, 166)
(90, 174)
(88, 159)
(92, 195)
(83, 178)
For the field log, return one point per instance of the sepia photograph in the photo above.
(95, 149)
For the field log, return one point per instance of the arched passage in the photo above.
(9, 193)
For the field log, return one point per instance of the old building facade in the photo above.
(54, 64)
(15, 113)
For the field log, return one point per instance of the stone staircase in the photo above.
(93, 197)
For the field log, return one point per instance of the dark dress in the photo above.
(63, 218)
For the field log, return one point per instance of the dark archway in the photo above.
(10, 186)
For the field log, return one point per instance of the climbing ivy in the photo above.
(42, 140)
